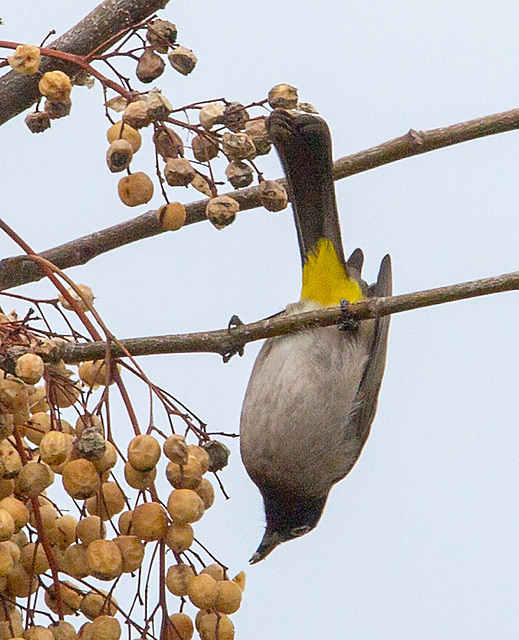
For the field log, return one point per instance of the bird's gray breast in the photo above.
(298, 404)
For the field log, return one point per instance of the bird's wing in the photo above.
(369, 387)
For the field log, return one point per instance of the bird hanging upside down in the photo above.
(312, 395)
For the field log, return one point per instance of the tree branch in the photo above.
(18, 270)
(95, 32)
(229, 341)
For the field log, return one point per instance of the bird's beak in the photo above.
(270, 541)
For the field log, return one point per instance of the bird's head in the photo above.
(289, 515)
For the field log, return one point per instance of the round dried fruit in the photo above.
(175, 448)
(119, 155)
(221, 211)
(238, 146)
(34, 478)
(229, 597)
(206, 491)
(135, 189)
(239, 174)
(182, 60)
(218, 454)
(25, 59)
(272, 195)
(132, 551)
(56, 109)
(204, 147)
(185, 506)
(168, 143)
(202, 591)
(149, 521)
(104, 559)
(216, 627)
(161, 34)
(211, 114)
(29, 368)
(179, 537)
(178, 578)
(37, 122)
(283, 96)
(172, 216)
(80, 479)
(55, 85)
(139, 479)
(257, 130)
(235, 116)
(180, 627)
(150, 66)
(90, 528)
(143, 452)
(137, 114)
(122, 131)
(83, 301)
(178, 172)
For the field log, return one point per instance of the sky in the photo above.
(420, 540)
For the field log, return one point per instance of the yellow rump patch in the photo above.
(325, 279)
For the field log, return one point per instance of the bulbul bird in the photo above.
(312, 395)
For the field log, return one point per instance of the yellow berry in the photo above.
(104, 559)
(55, 85)
(149, 521)
(283, 96)
(229, 597)
(180, 627)
(178, 578)
(185, 506)
(29, 368)
(80, 479)
(25, 59)
(135, 189)
(122, 131)
(143, 452)
(172, 216)
(179, 537)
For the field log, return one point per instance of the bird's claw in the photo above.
(347, 323)
(234, 322)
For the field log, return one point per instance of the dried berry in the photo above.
(235, 116)
(172, 216)
(211, 114)
(25, 59)
(149, 521)
(55, 85)
(132, 551)
(185, 506)
(204, 147)
(182, 60)
(80, 479)
(178, 578)
(257, 130)
(178, 172)
(135, 189)
(179, 537)
(104, 559)
(139, 479)
(202, 591)
(143, 452)
(239, 174)
(168, 143)
(175, 448)
(238, 146)
(272, 195)
(150, 66)
(122, 130)
(119, 155)
(84, 301)
(137, 114)
(57, 108)
(218, 454)
(221, 211)
(283, 96)
(29, 368)
(38, 121)
(161, 34)
(180, 627)
(229, 597)
(159, 107)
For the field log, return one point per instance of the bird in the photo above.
(312, 395)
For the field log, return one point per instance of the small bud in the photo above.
(135, 189)
(221, 211)
(172, 216)
(150, 66)
(122, 130)
(239, 174)
(183, 60)
(37, 122)
(211, 114)
(57, 108)
(168, 143)
(204, 147)
(119, 155)
(235, 116)
(283, 96)
(238, 146)
(161, 34)
(272, 195)
(178, 172)
(257, 131)
(25, 59)
(55, 85)
(137, 114)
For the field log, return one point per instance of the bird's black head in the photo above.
(289, 515)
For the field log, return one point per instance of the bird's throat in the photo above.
(325, 279)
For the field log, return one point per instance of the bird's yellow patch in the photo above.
(325, 279)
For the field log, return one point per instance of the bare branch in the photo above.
(225, 341)
(18, 92)
(18, 270)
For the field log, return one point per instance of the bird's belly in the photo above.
(297, 407)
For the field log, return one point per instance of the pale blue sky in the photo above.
(420, 541)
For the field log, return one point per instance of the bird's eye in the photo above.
(300, 531)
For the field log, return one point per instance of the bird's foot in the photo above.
(238, 348)
(347, 323)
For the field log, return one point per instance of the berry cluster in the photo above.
(45, 550)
